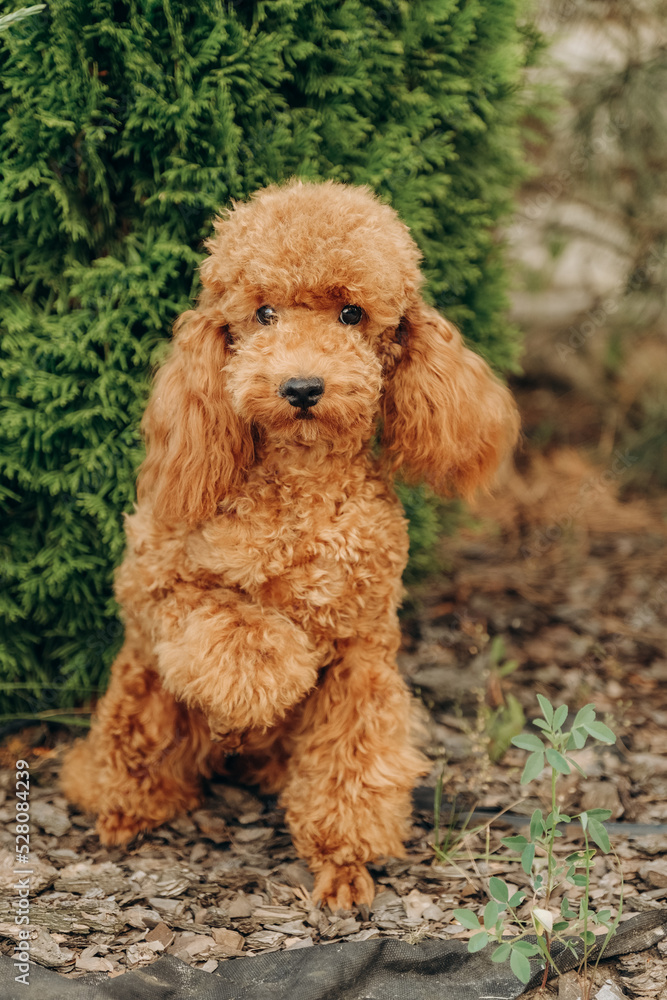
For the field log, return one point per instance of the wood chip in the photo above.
(296, 874)
(365, 935)
(161, 933)
(200, 946)
(289, 927)
(45, 950)
(250, 834)
(264, 939)
(140, 954)
(83, 877)
(67, 915)
(94, 964)
(654, 872)
(239, 907)
(169, 909)
(172, 882)
(610, 991)
(275, 913)
(232, 941)
(49, 818)
(415, 903)
(141, 916)
(211, 826)
(291, 944)
(339, 928)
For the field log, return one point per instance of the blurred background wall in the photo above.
(589, 238)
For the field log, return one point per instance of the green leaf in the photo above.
(577, 739)
(498, 889)
(583, 716)
(540, 723)
(557, 761)
(501, 954)
(588, 937)
(491, 912)
(517, 898)
(547, 709)
(520, 966)
(467, 918)
(533, 769)
(478, 941)
(526, 948)
(527, 858)
(514, 843)
(599, 731)
(560, 715)
(598, 833)
(528, 742)
(583, 819)
(600, 814)
(561, 925)
(537, 826)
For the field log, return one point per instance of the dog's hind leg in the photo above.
(141, 763)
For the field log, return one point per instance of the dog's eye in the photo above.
(266, 315)
(351, 315)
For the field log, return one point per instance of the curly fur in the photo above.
(262, 577)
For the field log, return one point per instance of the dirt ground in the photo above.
(554, 587)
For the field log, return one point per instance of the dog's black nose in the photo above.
(302, 392)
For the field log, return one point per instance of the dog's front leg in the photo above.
(244, 666)
(350, 778)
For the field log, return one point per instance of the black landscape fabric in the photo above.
(370, 970)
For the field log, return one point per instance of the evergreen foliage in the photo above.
(124, 126)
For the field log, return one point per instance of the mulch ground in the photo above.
(525, 605)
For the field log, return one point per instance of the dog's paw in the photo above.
(117, 828)
(228, 742)
(341, 886)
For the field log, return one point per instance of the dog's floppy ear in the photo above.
(197, 447)
(447, 418)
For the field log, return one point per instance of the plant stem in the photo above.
(587, 986)
(545, 975)
(552, 837)
(550, 864)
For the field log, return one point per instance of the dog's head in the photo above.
(310, 326)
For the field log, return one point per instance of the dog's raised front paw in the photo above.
(341, 886)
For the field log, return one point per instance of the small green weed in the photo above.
(537, 857)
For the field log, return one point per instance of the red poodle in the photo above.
(263, 569)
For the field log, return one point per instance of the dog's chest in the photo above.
(326, 556)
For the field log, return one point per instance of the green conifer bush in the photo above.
(124, 126)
